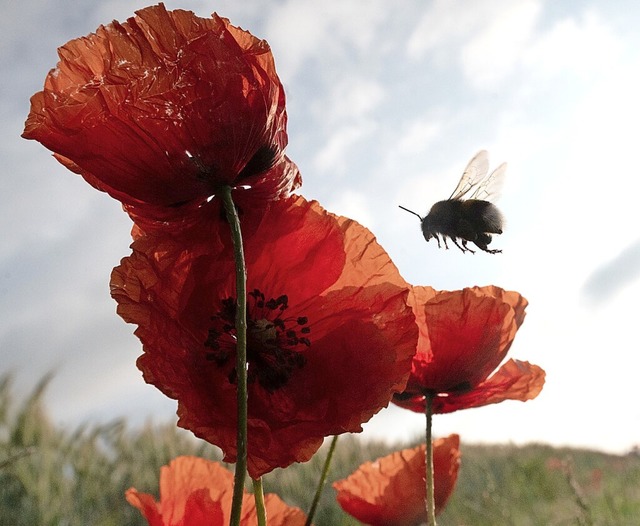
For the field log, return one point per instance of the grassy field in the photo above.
(53, 476)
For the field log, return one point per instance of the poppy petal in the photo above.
(346, 315)
(464, 336)
(146, 504)
(515, 380)
(164, 108)
(469, 334)
(391, 490)
(278, 512)
(200, 510)
(198, 492)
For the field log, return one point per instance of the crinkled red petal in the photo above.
(334, 274)
(391, 490)
(163, 109)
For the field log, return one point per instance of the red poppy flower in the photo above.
(198, 492)
(464, 336)
(391, 491)
(330, 335)
(162, 110)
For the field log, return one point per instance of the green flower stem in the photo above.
(430, 501)
(241, 352)
(322, 481)
(258, 494)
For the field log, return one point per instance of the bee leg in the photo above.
(489, 250)
(482, 242)
(466, 248)
(444, 239)
(437, 239)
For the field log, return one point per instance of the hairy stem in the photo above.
(258, 493)
(322, 481)
(430, 499)
(241, 352)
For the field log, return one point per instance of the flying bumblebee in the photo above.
(468, 214)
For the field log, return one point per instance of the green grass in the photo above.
(55, 476)
(542, 485)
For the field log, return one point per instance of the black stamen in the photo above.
(274, 347)
(262, 160)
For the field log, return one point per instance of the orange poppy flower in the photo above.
(391, 491)
(198, 492)
(464, 336)
(330, 334)
(163, 109)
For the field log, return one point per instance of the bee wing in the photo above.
(473, 175)
(489, 188)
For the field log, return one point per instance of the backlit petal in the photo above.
(391, 491)
(198, 492)
(161, 110)
(340, 286)
(464, 336)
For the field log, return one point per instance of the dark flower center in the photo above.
(410, 393)
(261, 161)
(275, 343)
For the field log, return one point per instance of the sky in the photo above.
(387, 102)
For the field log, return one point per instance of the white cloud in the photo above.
(490, 26)
(583, 44)
(443, 23)
(332, 157)
(348, 99)
(344, 116)
(615, 275)
(353, 204)
(493, 39)
(417, 136)
(306, 29)
(492, 55)
(598, 174)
